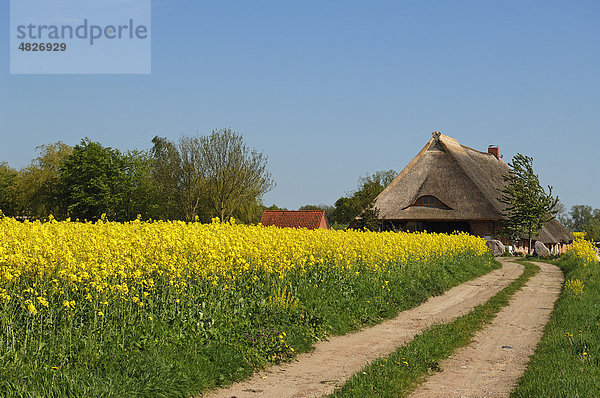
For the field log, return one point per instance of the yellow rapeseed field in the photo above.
(89, 307)
(103, 260)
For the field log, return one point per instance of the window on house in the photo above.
(430, 201)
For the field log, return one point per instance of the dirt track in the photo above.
(333, 361)
(492, 364)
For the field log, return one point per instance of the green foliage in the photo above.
(566, 363)
(39, 184)
(97, 180)
(329, 210)
(528, 204)
(193, 178)
(368, 219)
(592, 229)
(580, 215)
(348, 208)
(141, 196)
(249, 212)
(583, 218)
(8, 194)
(165, 173)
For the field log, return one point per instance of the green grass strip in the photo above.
(401, 372)
(566, 363)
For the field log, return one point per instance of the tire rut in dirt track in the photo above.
(334, 361)
(491, 365)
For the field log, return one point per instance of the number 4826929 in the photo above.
(43, 47)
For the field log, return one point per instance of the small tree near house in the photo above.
(528, 204)
(368, 219)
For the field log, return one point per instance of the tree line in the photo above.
(193, 178)
(582, 218)
(357, 202)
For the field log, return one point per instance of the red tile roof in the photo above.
(311, 219)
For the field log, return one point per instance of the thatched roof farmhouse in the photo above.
(450, 187)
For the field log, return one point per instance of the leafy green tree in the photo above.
(329, 210)
(249, 212)
(592, 229)
(274, 207)
(582, 218)
(580, 215)
(39, 186)
(166, 173)
(346, 209)
(368, 219)
(94, 181)
(140, 195)
(349, 207)
(9, 203)
(528, 204)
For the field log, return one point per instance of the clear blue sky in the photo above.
(331, 90)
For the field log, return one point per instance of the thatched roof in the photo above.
(465, 180)
(554, 232)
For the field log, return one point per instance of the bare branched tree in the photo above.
(234, 174)
(192, 190)
(217, 171)
(178, 172)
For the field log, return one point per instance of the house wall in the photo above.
(323, 224)
(425, 225)
(483, 228)
(555, 248)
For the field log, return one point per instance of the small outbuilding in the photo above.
(310, 219)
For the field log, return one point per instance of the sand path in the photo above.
(334, 361)
(491, 365)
